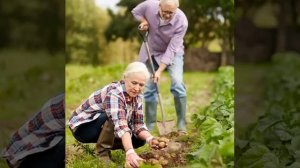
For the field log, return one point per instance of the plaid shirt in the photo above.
(42, 132)
(125, 112)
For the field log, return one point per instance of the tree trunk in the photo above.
(226, 48)
(224, 53)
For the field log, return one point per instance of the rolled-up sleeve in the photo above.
(115, 110)
(139, 11)
(173, 47)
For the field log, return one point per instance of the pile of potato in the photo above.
(161, 158)
(160, 143)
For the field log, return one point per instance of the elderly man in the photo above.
(166, 25)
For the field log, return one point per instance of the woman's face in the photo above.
(135, 83)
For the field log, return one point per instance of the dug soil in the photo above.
(174, 155)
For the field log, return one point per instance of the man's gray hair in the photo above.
(176, 2)
(135, 67)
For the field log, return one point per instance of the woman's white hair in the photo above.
(176, 2)
(135, 67)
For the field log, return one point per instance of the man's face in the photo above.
(167, 11)
(135, 84)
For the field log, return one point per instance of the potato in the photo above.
(163, 162)
(151, 154)
(162, 144)
(161, 158)
(154, 161)
(166, 140)
(160, 139)
(150, 160)
(159, 143)
(155, 142)
(167, 155)
(156, 156)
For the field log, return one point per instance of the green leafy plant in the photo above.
(214, 144)
(274, 140)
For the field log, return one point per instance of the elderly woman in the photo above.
(112, 117)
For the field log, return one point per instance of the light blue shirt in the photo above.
(165, 40)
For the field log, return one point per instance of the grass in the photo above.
(81, 81)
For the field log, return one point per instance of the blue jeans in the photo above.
(89, 132)
(175, 70)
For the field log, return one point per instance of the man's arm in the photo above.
(170, 51)
(139, 14)
(139, 11)
(172, 48)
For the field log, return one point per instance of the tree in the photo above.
(123, 23)
(210, 20)
(286, 24)
(84, 25)
(34, 25)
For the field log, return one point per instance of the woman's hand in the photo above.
(151, 141)
(132, 159)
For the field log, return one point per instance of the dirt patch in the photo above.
(169, 127)
(174, 155)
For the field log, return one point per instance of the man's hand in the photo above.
(144, 25)
(132, 159)
(156, 76)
